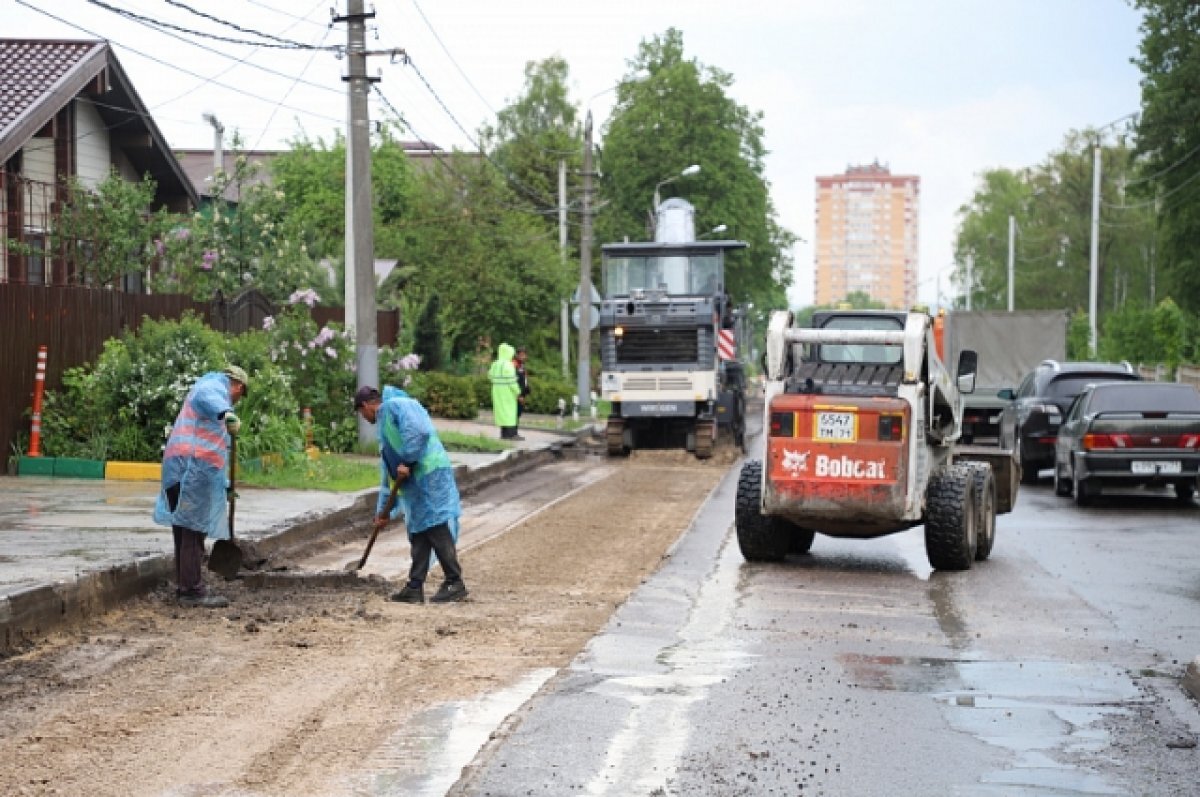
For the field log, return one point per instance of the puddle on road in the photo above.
(1033, 709)
(426, 758)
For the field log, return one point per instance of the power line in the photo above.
(280, 11)
(1170, 168)
(1151, 202)
(244, 60)
(289, 45)
(236, 89)
(530, 192)
(438, 155)
(446, 50)
(227, 23)
(312, 56)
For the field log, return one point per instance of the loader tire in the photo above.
(799, 540)
(951, 516)
(984, 482)
(761, 538)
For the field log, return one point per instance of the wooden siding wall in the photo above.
(74, 322)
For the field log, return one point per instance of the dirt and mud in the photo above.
(291, 691)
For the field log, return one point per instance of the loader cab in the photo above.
(854, 353)
(666, 281)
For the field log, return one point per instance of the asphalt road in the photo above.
(1051, 669)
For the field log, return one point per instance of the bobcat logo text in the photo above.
(827, 467)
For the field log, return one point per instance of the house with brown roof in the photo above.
(200, 165)
(69, 111)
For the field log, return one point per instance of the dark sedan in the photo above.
(1129, 434)
(1029, 424)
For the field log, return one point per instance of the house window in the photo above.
(35, 261)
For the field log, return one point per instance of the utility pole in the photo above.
(360, 233)
(562, 254)
(583, 383)
(1012, 256)
(1094, 281)
(970, 277)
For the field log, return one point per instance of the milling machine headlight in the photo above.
(619, 332)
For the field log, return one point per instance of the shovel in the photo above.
(388, 506)
(226, 557)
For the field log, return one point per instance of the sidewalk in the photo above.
(70, 548)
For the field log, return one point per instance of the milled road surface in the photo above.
(315, 690)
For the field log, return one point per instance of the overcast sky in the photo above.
(942, 89)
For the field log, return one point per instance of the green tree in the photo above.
(536, 132)
(672, 112)
(493, 263)
(1169, 137)
(103, 232)
(1051, 204)
(427, 338)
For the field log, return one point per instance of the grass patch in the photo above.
(350, 472)
(476, 443)
(453, 441)
(333, 472)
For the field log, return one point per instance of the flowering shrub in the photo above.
(396, 368)
(123, 406)
(134, 391)
(230, 247)
(321, 367)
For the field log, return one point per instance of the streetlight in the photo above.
(720, 228)
(1012, 249)
(688, 172)
(1094, 257)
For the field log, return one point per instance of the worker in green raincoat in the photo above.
(505, 392)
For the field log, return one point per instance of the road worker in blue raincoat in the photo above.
(411, 451)
(194, 478)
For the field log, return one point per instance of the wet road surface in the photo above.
(1051, 669)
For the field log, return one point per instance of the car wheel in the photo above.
(1083, 489)
(1029, 470)
(1061, 485)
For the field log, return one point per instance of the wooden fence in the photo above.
(74, 322)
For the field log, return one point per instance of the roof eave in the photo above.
(40, 113)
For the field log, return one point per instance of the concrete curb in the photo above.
(33, 613)
(1191, 679)
(37, 611)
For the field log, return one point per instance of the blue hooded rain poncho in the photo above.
(195, 459)
(429, 496)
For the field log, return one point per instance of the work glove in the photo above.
(232, 423)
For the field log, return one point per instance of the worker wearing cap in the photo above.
(194, 483)
(411, 451)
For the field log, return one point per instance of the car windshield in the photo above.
(854, 353)
(1145, 398)
(1068, 387)
(674, 275)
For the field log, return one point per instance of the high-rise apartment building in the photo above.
(867, 226)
